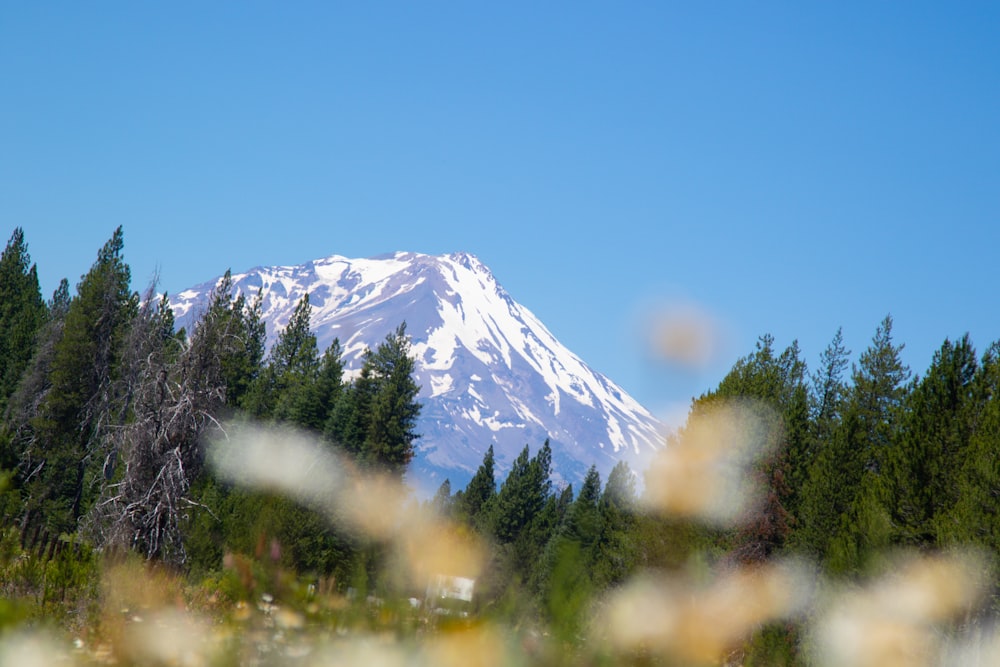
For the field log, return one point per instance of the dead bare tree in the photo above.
(176, 391)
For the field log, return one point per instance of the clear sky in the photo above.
(788, 168)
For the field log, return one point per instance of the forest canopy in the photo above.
(782, 474)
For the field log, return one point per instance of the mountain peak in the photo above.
(490, 372)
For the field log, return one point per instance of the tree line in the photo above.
(106, 406)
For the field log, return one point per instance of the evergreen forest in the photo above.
(846, 512)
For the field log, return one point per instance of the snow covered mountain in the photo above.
(490, 372)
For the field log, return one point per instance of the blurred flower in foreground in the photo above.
(892, 621)
(702, 623)
(32, 650)
(429, 546)
(133, 588)
(363, 652)
(682, 333)
(279, 459)
(480, 645)
(978, 647)
(169, 637)
(475, 646)
(298, 465)
(705, 471)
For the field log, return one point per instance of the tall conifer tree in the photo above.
(778, 381)
(77, 407)
(292, 368)
(481, 489)
(522, 494)
(393, 407)
(814, 478)
(318, 400)
(975, 517)
(616, 550)
(22, 313)
(862, 495)
(932, 444)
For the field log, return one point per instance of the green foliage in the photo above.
(975, 479)
(810, 471)
(371, 418)
(316, 402)
(615, 552)
(292, 368)
(873, 413)
(57, 584)
(232, 332)
(442, 502)
(393, 409)
(777, 382)
(268, 528)
(828, 386)
(78, 405)
(584, 521)
(773, 646)
(472, 503)
(72, 572)
(375, 416)
(522, 495)
(877, 396)
(932, 443)
(849, 480)
(22, 313)
(347, 424)
(204, 532)
(570, 557)
(825, 494)
(569, 591)
(105, 407)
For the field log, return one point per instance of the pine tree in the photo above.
(478, 493)
(975, 517)
(318, 399)
(527, 555)
(393, 408)
(927, 456)
(77, 407)
(877, 395)
(243, 360)
(292, 368)
(522, 494)
(569, 560)
(828, 386)
(859, 488)
(22, 313)
(442, 502)
(58, 305)
(294, 353)
(22, 407)
(825, 494)
(347, 424)
(812, 476)
(826, 403)
(777, 381)
(615, 554)
(584, 521)
(232, 337)
(217, 373)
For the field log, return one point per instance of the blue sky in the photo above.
(788, 167)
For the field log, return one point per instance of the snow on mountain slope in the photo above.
(490, 372)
